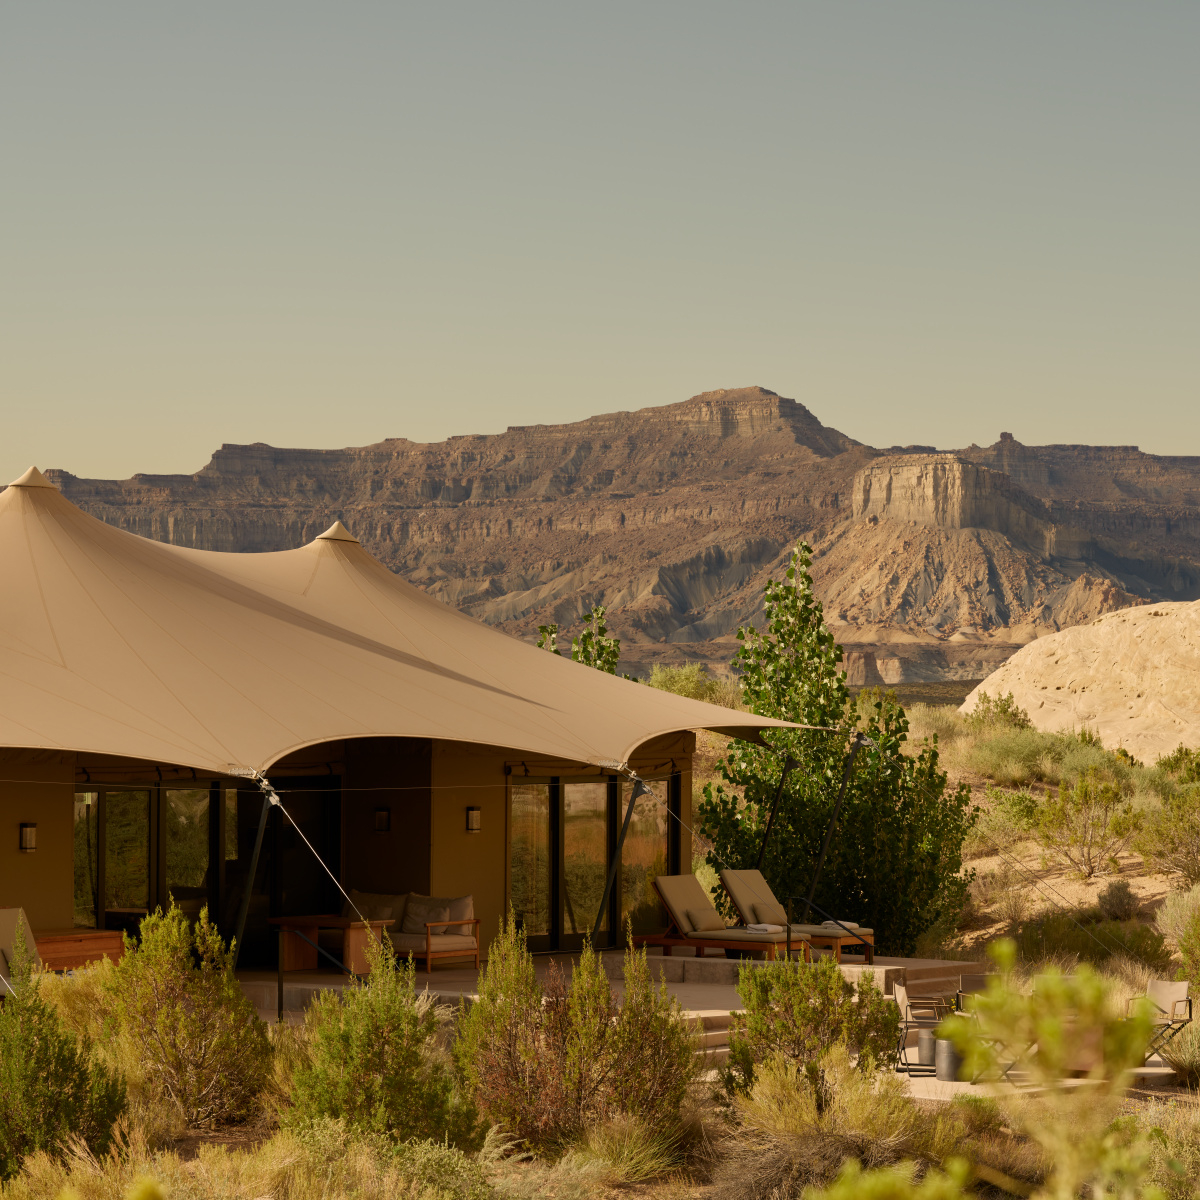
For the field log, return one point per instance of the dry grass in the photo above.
(321, 1163)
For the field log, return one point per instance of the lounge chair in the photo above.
(1173, 1011)
(916, 1012)
(695, 922)
(756, 904)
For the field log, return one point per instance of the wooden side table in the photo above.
(68, 949)
(298, 954)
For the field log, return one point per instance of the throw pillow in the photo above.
(768, 912)
(419, 910)
(462, 908)
(705, 920)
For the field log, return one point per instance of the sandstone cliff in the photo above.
(931, 564)
(1132, 676)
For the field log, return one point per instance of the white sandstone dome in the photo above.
(1132, 675)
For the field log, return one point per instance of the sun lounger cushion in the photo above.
(705, 920)
(739, 933)
(680, 893)
(769, 912)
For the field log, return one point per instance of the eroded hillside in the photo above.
(931, 564)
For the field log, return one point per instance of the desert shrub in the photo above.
(174, 999)
(1182, 763)
(624, 1150)
(319, 1162)
(373, 1060)
(548, 1063)
(1172, 1135)
(1003, 711)
(1005, 819)
(1118, 901)
(52, 1085)
(942, 721)
(799, 1010)
(1062, 935)
(1179, 918)
(1087, 825)
(1169, 839)
(694, 681)
(797, 1127)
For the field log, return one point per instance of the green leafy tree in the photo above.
(174, 996)
(52, 1085)
(593, 647)
(895, 862)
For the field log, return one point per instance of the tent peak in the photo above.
(337, 532)
(33, 478)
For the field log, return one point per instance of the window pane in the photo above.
(126, 853)
(185, 828)
(87, 859)
(644, 858)
(231, 825)
(585, 854)
(531, 856)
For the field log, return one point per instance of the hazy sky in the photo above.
(326, 224)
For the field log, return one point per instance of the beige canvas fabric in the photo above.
(113, 644)
(680, 893)
(1166, 996)
(412, 942)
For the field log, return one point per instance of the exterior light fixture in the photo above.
(383, 820)
(28, 837)
(474, 816)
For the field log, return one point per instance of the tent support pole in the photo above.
(639, 790)
(788, 764)
(837, 807)
(244, 907)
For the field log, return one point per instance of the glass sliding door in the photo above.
(585, 837)
(87, 859)
(645, 856)
(531, 858)
(185, 839)
(126, 858)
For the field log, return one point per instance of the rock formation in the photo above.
(932, 565)
(1133, 676)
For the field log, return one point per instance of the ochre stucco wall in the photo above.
(38, 786)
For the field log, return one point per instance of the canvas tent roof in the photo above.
(114, 644)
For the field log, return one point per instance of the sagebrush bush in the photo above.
(1169, 839)
(1003, 711)
(1087, 825)
(174, 999)
(799, 1010)
(1055, 935)
(1179, 918)
(373, 1062)
(693, 681)
(547, 1063)
(1118, 901)
(53, 1087)
(1005, 819)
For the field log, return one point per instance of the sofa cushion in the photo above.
(376, 906)
(411, 943)
(422, 909)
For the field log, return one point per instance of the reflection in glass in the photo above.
(231, 826)
(531, 856)
(585, 854)
(87, 858)
(126, 853)
(185, 828)
(644, 858)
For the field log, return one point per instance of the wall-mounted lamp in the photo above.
(474, 824)
(28, 837)
(383, 820)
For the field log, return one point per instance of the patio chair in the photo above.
(916, 1013)
(693, 921)
(1173, 1011)
(751, 895)
(969, 985)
